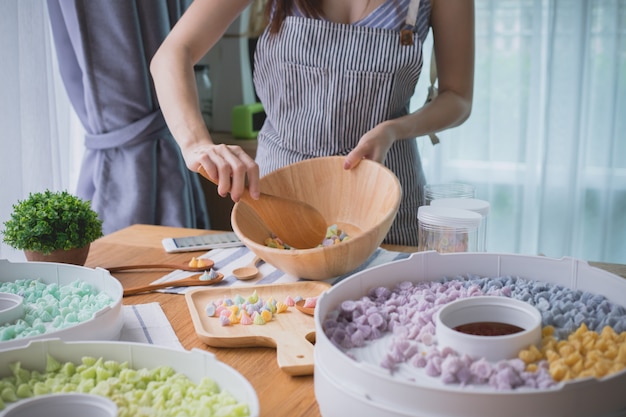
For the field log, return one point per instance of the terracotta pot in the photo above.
(76, 256)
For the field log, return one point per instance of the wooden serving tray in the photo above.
(292, 333)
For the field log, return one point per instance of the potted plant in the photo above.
(53, 226)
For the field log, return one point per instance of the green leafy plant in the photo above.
(48, 221)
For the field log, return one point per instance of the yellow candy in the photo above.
(584, 354)
(281, 307)
(201, 263)
(234, 318)
(267, 315)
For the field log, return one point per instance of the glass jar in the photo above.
(473, 204)
(447, 190)
(447, 230)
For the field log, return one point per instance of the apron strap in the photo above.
(406, 38)
(411, 16)
(406, 35)
(432, 91)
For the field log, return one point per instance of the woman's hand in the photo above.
(229, 165)
(373, 145)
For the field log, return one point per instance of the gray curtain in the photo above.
(133, 171)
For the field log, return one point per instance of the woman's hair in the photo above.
(277, 10)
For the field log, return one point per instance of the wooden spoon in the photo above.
(248, 271)
(185, 282)
(208, 264)
(306, 310)
(295, 222)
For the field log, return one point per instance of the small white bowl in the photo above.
(11, 307)
(488, 309)
(64, 405)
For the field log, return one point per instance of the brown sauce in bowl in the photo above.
(488, 328)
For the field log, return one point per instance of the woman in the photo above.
(335, 78)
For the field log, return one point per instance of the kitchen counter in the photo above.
(279, 394)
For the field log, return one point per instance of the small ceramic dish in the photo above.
(11, 307)
(492, 327)
(63, 405)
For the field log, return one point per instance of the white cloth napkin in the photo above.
(228, 259)
(147, 323)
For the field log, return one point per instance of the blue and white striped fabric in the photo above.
(226, 260)
(147, 323)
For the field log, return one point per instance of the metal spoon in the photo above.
(297, 223)
(248, 271)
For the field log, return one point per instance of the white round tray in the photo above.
(195, 364)
(106, 323)
(344, 386)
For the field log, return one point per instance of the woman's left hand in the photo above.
(373, 145)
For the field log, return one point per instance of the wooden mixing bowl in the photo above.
(363, 202)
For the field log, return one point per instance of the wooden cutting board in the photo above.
(292, 333)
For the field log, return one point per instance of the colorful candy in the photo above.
(208, 275)
(584, 333)
(160, 391)
(49, 307)
(252, 309)
(334, 235)
(197, 263)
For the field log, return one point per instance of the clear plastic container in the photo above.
(447, 190)
(447, 230)
(473, 204)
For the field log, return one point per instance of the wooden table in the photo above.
(279, 394)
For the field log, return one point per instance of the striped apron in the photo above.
(323, 85)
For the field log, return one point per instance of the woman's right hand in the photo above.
(229, 165)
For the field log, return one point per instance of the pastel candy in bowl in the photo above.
(59, 300)
(141, 379)
(355, 382)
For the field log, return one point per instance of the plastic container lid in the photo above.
(473, 204)
(449, 189)
(449, 217)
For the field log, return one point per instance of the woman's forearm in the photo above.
(453, 35)
(199, 29)
(445, 111)
(174, 79)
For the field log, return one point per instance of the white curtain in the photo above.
(545, 145)
(38, 151)
(546, 141)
